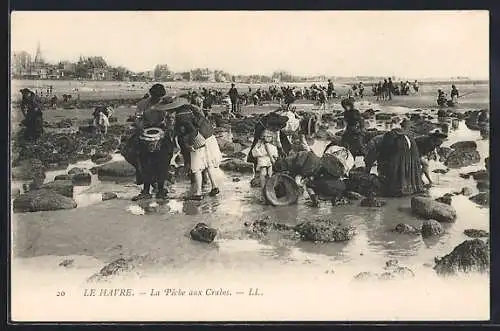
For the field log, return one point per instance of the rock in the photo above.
(101, 158)
(82, 179)
(364, 276)
(383, 117)
(445, 199)
(116, 169)
(14, 192)
(325, 135)
(31, 169)
(431, 209)
(462, 158)
(67, 263)
(62, 177)
(403, 273)
(325, 231)
(470, 256)
(372, 202)
(480, 175)
(63, 187)
(230, 148)
(109, 196)
(236, 165)
(487, 163)
(443, 153)
(74, 171)
(42, 200)
(203, 233)
(431, 228)
(391, 264)
(482, 199)
(114, 268)
(483, 186)
(473, 233)
(464, 145)
(363, 183)
(236, 179)
(440, 171)
(353, 195)
(466, 191)
(405, 229)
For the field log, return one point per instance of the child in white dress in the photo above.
(266, 154)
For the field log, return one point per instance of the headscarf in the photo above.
(157, 90)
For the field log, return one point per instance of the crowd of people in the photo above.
(281, 143)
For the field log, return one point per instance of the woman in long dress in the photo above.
(399, 164)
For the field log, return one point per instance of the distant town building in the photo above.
(101, 74)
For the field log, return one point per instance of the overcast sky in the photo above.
(409, 44)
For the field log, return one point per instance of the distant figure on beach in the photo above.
(361, 89)
(31, 107)
(454, 94)
(390, 88)
(330, 89)
(415, 86)
(233, 95)
(441, 99)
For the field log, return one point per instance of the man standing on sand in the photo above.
(330, 89)
(233, 95)
(390, 88)
(31, 107)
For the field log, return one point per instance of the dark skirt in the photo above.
(150, 166)
(34, 125)
(399, 166)
(353, 140)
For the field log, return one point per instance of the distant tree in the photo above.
(162, 72)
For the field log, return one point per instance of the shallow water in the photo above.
(97, 232)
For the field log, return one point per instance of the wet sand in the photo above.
(311, 281)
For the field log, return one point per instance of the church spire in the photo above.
(38, 55)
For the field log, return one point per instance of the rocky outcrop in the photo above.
(109, 196)
(473, 233)
(236, 165)
(42, 200)
(463, 154)
(325, 231)
(363, 183)
(406, 229)
(482, 199)
(63, 187)
(470, 256)
(446, 199)
(116, 169)
(431, 228)
(202, 232)
(30, 169)
(428, 208)
(372, 202)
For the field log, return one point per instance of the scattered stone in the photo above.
(431, 228)
(203, 233)
(325, 231)
(462, 158)
(114, 268)
(101, 158)
(391, 264)
(470, 256)
(443, 153)
(81, 179)
(363, 183)
(63, 187)
(403, 273)
(440, 171)
(42, 200)
(405, 229)
(67, 263)
(431, 209)
(364, 276)
(236, 165)
(473, 233)
(31, 169)
(482, 199)
(62, 177)
(109, 196)
(74, 171)
(372, 202)
(116, 169)
(464, 145)
(445, 199)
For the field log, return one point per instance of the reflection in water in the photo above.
(163, 232)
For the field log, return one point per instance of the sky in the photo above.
(413, 44)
